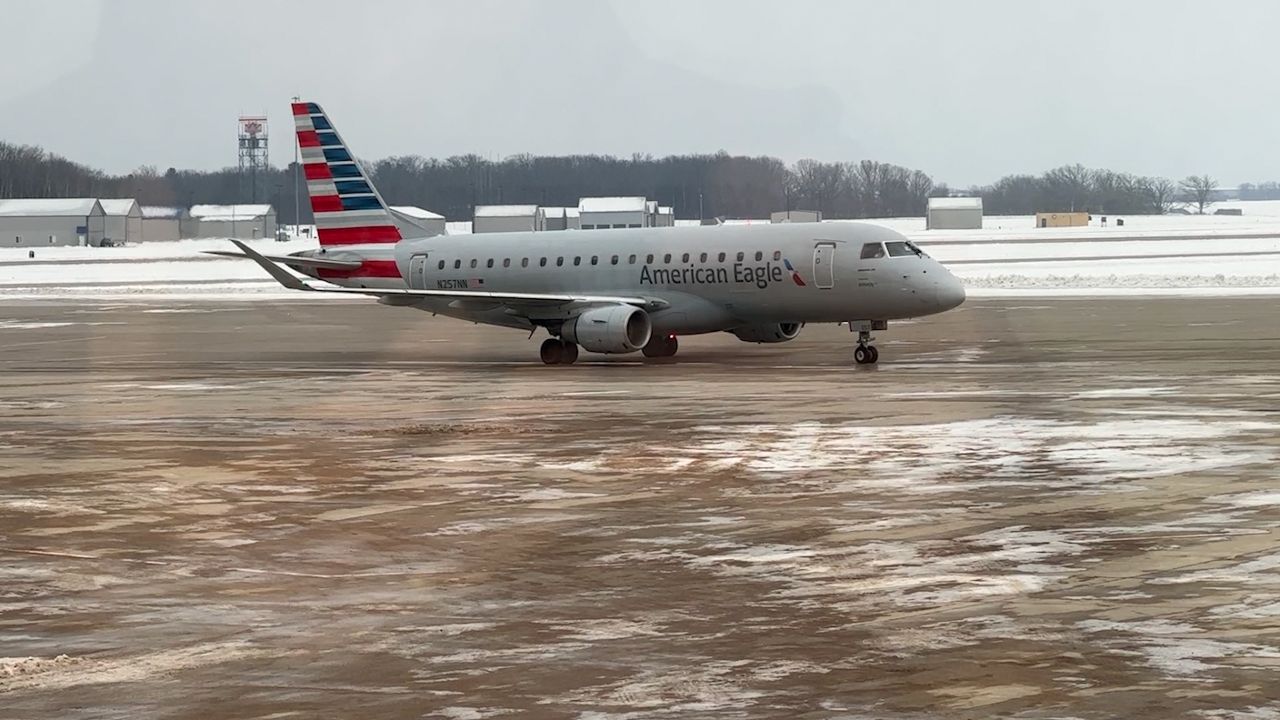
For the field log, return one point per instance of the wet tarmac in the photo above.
(1031, 508)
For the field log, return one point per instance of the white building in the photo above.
(614, 212)
(572, 219)
(230, 221)
(124, 220)
(161, 223)
(51, 221)
(958, 213)
(415, 222)
(796, 216)
(505, 218)
(666, 216)
(553, 218)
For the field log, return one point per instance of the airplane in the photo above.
(619, 290)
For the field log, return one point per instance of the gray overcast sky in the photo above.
(966, 91)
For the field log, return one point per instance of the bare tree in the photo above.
(1161, 194)
(1199, 190)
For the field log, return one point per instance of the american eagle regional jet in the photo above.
(609, 291)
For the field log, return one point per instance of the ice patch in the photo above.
(1261, 498)
(1001, 450)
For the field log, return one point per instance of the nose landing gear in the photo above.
(866, 353)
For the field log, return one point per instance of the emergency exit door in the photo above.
(824, 272)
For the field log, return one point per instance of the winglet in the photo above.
(282, 276)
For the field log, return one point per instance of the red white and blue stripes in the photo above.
(347, 208)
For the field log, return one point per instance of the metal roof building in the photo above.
(415, 222)
(954, 213)
(796, 216)
(124, 219)
(161, 223)
(505, 218)
(51, 221)
(615, 212)
(553, 218)
(230, 221)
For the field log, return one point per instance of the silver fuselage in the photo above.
(707, 278)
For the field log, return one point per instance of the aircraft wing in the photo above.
(295, 260)
(525, 301)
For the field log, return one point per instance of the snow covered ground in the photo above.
(1157, 255)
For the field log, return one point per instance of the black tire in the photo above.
(875, 355)
(660, 346)
(570, 354)
(861, 355)
(551, 352)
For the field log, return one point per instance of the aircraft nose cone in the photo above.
(950, 293)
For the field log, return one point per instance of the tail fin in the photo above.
(348, 209)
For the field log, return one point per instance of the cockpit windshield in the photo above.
(904, 248)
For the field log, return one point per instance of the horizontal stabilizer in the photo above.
(295, 260)
(401, 297)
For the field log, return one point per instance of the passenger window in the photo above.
(595, 259)
(742, 256)
(474, 262)
(506, 262)
(489, 264)
(614, 261)
(759, 256)
(577, 260)
(524, 262)
(457, 264)
(560, 262)
(542, 262)
(631, 260)
(777, 255)
(872, 250)
(684, 258)
(666, 258)
(702, 258)
(648, 259)
(440, 266)
(898, 249)
(721, 256)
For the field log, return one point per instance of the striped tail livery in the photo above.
(348, 209)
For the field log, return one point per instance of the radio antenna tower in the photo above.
(253, 152)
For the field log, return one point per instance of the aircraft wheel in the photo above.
(862, 355)
(875, 354)
(552, 351)
(570, 353)
(662, 346)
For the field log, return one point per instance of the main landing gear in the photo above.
(555, 351)
(660, 346)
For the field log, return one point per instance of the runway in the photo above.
(1031, 508)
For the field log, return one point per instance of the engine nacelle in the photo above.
(610, 329)
(771, 333)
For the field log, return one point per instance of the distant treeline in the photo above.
(695, 185)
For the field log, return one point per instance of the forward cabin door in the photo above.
(824, 272)
(417, 271)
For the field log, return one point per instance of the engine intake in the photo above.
(769, 333)
(610, 329)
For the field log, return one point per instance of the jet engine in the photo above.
(770, 333)
(609, 329)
